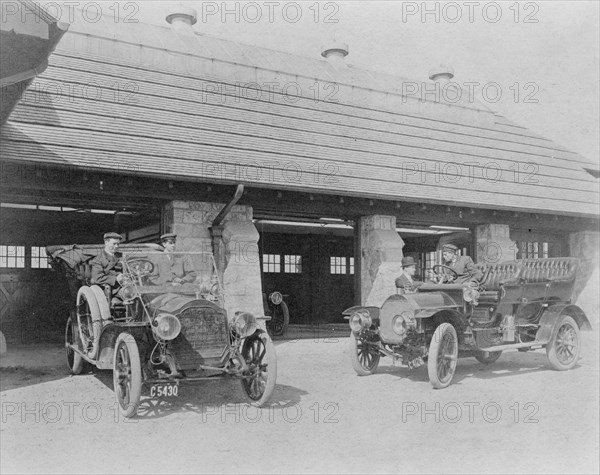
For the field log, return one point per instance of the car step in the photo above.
(512, 346)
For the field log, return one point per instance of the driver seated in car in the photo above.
(467, 272)
(175, 269)
(106, 268)
(405, 282)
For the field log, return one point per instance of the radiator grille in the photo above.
(203, 339)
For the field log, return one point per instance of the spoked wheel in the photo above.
(74, 359)
(487, 357)
(280, 319)
(442, 356)
(364, 356)
(259, 353)
(127, 374)
(565, 345)
(89, 321)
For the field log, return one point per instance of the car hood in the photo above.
(175, 303)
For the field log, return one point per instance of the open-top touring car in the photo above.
(155, 332)
(523, 305)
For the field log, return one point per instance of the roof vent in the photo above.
(181, 16)
(335, 52)
(441, 73)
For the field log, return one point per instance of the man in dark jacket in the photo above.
(405, 282)
(463, 265)
(106, 267)
(177, 268)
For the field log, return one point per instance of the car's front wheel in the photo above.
(487, 357)
(259, 354)
(565, 344)
(364, 356)
(442, 356)
(74, 359)
(127, 374)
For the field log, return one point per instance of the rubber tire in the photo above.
(103, 304)
(271, 367)
(75, 361)
(126, 348)
(491, 357)
(286, 319)
(551, 349)
(96, 317)
(439, 336)
(359, 368)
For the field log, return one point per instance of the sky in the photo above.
(542, 57)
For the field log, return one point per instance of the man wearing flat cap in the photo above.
(463, 265)
(106, 266)
(405, 282)
(175, 269)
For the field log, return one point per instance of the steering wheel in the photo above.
(443, 274)
(140, 267)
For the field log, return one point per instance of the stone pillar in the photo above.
(493, 244)
(380, 258)
(584, 245)
(237, 240)
(190, 220)
(241, 275)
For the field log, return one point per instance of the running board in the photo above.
(83, 355)
(513, 346)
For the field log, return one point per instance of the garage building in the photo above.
(339, 172)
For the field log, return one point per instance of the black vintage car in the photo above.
(155, 332)
(278, 311)
(521, 305)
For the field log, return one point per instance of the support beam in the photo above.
(493, 244)
(585, 245)
(380, 258)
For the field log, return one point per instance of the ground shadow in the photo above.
(508, 365)
(15, 377)
(222, 396)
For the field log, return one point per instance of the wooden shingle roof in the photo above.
(145, 99)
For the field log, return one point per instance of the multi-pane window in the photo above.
(12, 256)
(271, 263)
(39, 260)
(337, 265)
(351, 265)
(292, 264)
(533, 249)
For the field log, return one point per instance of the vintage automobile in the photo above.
(523, 305)
(156, 333)
(276, 308)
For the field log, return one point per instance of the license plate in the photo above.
(164, 390)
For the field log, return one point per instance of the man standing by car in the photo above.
(405, 282)
(106, 266)
(180, 269)
(463, 265)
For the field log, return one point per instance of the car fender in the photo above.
(109, 337)
(551, 316)
(373, 311)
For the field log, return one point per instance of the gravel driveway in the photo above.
(516, 416)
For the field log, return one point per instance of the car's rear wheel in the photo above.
(565, 344)
(89, 321)
(127, 374)
(259, 353)
(442, 356)
(280, 319)
(364, 356)
(487, 357)
(74, 359)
